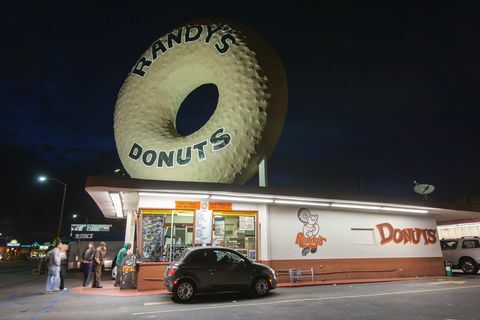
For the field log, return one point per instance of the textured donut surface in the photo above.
(246, 124)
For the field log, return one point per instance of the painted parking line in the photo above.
(155, 303)
(241, 305)
(448, 282)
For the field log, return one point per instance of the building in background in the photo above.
(80, 237)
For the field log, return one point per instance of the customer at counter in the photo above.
(118, 262)
(98, 264)
(87, 261)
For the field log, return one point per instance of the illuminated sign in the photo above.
(13, 243)
(249, 116)
(182, 156)
(187, 205)
(185, 35)
(219, 206)
(407, 235)
(83, 236)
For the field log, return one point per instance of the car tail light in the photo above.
(172, 271)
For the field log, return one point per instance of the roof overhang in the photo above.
(116, 195)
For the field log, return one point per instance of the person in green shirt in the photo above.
(118, 262)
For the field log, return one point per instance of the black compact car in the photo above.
(209, 269)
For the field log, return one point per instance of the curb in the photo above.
(349, 281)
(116, 292)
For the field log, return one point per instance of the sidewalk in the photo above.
(348, 281)
(109, 290)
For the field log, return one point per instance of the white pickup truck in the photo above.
(463, 253)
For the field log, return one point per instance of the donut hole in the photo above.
(197, 108)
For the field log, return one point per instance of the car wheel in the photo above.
(469, 266)
(261, 287)
(184, 291)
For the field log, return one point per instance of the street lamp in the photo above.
(76, 215)
(44, 179)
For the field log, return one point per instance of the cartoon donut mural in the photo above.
(242, 131)
(309, 240)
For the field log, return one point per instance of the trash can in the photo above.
(448, 268)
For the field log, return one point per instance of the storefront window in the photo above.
(180, 236)
(235, 230)
(162, 240)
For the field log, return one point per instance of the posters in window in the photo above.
(219, 228)
(152, 237)
(203, 227)
(246, 223)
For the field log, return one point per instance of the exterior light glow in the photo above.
(117, 203)
(404, 210)
(174, 195)
(303, 203)
(239, 199)
(42, 178)
(355, 206)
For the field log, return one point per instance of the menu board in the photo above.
(152, 237)
(203, 226)
(246, 223)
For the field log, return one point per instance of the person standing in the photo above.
(98, 264)
(118, 262)
(53, 274)
(63, 265)
(87, 260)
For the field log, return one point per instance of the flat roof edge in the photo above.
(122, 183)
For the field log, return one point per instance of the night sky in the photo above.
(380, 94)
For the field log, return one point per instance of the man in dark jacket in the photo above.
(121, 254)
(87, 261)
(98, 264)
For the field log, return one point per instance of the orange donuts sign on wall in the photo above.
(407, 235)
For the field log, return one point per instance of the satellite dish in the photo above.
(423, 189)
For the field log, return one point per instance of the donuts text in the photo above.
(408, 235)
(182, 156)
(182, 36)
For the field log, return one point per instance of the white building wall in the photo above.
(342, 241)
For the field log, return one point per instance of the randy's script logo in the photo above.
(309, 240)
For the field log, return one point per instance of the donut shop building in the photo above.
(187, 190)
(337, 238)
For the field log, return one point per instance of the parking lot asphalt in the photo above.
(21, 297)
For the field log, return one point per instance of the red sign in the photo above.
(407, 235)
(220, 206)
(187, 205)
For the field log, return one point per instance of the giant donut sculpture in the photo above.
(247, 121)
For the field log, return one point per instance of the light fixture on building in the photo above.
(240, 199)
(174, 195)
(117, 203)
(355, 206)
(303, 203)
(406, 210)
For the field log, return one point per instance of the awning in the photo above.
(115, 196)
